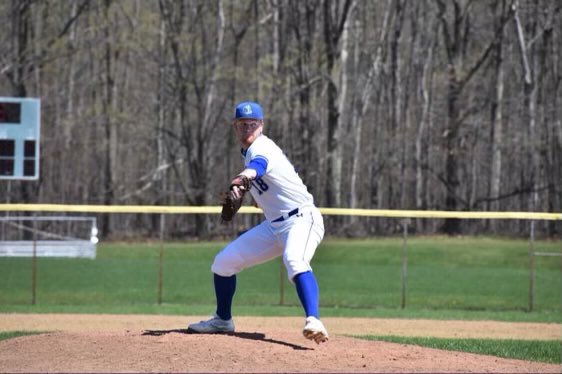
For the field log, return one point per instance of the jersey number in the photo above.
(260, 185)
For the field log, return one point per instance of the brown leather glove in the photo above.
(234, 197)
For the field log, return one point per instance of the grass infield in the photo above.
(530, 350)
(4, 335)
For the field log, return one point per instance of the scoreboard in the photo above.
(19, 138)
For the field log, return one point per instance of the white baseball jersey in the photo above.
(278, 192)
(281, 189)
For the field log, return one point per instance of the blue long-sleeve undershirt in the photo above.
(258, 164)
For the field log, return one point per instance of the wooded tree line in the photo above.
(388, 104)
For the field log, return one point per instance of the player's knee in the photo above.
(224, 265)
(295, 266)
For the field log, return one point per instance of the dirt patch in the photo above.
(138, 343)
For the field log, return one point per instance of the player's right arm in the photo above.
(256, 168)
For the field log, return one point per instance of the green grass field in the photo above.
(448, 278)
(531, 350)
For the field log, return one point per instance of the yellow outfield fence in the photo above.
(406, 216)
(163, 209)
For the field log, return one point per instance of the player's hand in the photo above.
(236, 192)
(241, 182)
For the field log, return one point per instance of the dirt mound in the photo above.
(103, 344)
(176, 351)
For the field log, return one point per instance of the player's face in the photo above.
(247, 130)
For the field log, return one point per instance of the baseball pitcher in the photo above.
(293, 226)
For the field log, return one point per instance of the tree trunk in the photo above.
(452, 226)
(396, 97)
(529, 92)
(343, 117)
(209, 117)
(497, 134)
(334, 24)
(426, 83)
(110, 140)
(160, 176)
(69, 124)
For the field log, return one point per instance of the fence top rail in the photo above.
(163, 209)
(42, 218)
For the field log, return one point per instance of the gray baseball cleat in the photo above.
(212, 326)
(314, 330)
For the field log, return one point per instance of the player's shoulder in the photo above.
(264, 146)
(264, 140)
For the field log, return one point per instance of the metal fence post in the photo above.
(34, 263)
(161, 259)
(404, 261)
(531, 267)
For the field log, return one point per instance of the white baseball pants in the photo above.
(295, 238)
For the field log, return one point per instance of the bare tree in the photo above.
(335, 15)
(427, 44)
(411, 102)
(455, 28)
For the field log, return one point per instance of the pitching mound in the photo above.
(264, 348)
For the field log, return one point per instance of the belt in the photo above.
(286, 216)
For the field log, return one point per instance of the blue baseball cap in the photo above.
(248, 109)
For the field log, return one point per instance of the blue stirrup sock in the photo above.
(224, 291)
(307, 289)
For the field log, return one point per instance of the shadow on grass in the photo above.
(242, 335)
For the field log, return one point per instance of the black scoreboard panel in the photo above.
(10, 113)
(7, 156)
(19, 138)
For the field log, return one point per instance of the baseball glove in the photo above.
(234, 197)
